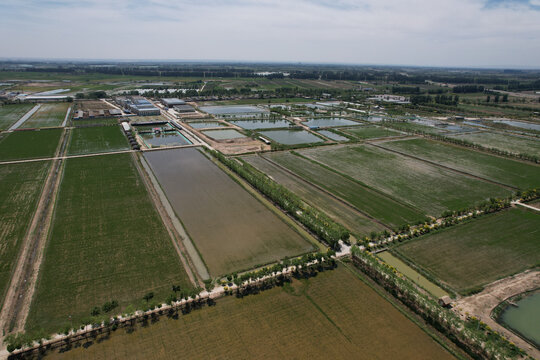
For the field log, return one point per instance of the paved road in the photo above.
(67, 116)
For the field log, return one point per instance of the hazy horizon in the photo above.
(463, 33)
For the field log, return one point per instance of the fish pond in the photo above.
(523, 317)
(227, 134)
(206, 124)
(233, 110)
(261, 124)
(291, 137)
(170, 138)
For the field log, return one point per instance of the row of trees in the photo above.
(316, 221)
(437, 99)
(473, 336)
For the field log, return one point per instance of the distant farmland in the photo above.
(381, 207)
(107, 243)
(423, 185)
(47, 115)
(29, 144)
(353, 221)
(478, 252)
(231, 229)
(514, 144)
(97, 139)
(371, 132)
(20, 188)
(332, 316)
(9, 114)
(510, 172)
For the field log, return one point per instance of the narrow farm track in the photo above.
(176, 237)
(509, 187)
(344, 202)
(23, 281)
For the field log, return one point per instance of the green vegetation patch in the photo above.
(20, 188)
(514, 173)
(371, 132)
(47, 115)
(107, 243)
(512, 143)
(363, 198)
(29, 144)
(428, 187)
(97, 139)
(356, 223)
(478, 252)
(9, 114)
(334, 315)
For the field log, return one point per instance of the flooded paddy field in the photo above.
(96, 140)
(523, 317)
(356, 223)
(329, 122)
(332, 135)
(378, 169)
(504, 170)
(106, 242)
(475, 253)
(9, 114)
(226, 134)
(335, 315)
(170, 138)
(20, 189)
(291, 137)
(520, 124)
(231, 229)
(507, 142)
(47, 115)
(253, 124)
(31, 144)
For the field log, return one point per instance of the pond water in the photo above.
(525, 318)
(291, 137)
(475, 123)
(206, 124)
(375, 118)
(262, 124)
(224, 134)
(165, 139)
(233, 109)
(332, 135)
(330, 122)
(457, 128)
(520, 124)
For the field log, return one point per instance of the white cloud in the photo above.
(418, 32)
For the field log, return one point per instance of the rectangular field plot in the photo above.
(97, 139)
(47, 115)
(512, 143)
(29, 144)
(291, 137)
(481, 251)
(428, 187)
(513, 173)
(354, 221)
(9, 114)
(332, 316)
(371, 132)
(20, 188)
(377, 205)
(231, 229)
(107, 242)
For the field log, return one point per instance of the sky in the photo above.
(455, 33)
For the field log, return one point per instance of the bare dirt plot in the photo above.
(333, 316)
(9, 114)
(47, 115)
(231, 229)
(470, 255)
(354, 221)
(107, 242)
(428, 187)
(20, 186)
